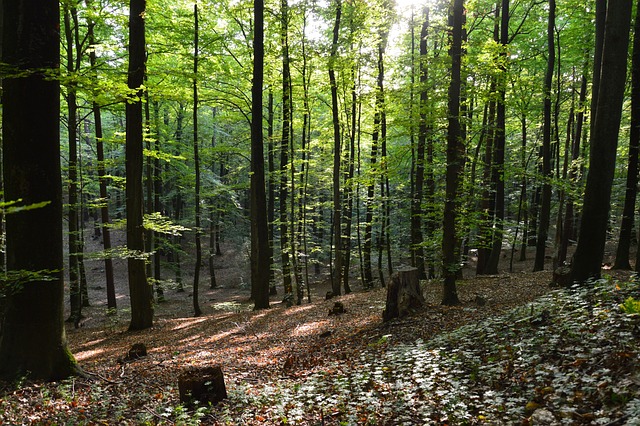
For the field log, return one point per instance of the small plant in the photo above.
(631, 306)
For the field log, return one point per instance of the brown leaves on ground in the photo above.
(261, 346)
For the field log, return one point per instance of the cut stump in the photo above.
(201, 386)
(404, 294)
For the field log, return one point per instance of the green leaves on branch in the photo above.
(157, 223)
(10, 207)
(11, 282)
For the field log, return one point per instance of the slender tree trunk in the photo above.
(628, 211)
(284, 149)
(337, 155)
(455, 151)
(271, 195)
(498, 153)
(139, 289)
(418, 150)
(33, 337)
(196, 164)
(545, 207)
(75, 295)
(157, 207)
(102, 179)
(260, 259)
(604, 141)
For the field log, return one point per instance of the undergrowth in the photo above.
(569, 358)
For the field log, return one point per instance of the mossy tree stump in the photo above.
(404, 294)
(202, 386)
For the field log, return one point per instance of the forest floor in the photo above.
(529, 355)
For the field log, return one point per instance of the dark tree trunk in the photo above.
(545, 207)
(33, 337)
(271, 196)
(498, 152)
(337, 155)
(284, 149)
(455, 152)
(75, 295)
(260, 257)
(418, 157)
(626, 227)
(196, 164)
(604, 141)
(139, 289)
(104, 197)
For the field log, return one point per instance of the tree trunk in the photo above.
(545, 207)
(196, 164)
(337, 194)
(455, 151)
(418, 150)
(139, 288)
(104, 197)
(75, 295)
(33, 337)
(403, 294)
(271, 192)
(500, 140)
(604, 141)
(626, 227)
(260, 258)
(284, 149)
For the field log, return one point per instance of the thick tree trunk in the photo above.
(455, 151)
(33, 338)
(604, 141)
(260, 254)
(139, 288)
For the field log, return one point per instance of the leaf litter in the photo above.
(527, 356)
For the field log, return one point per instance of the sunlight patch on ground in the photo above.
(231, 306)
(310, 328)
(87, 355)
(187, 322)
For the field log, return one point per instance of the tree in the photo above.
(196, 163)
(337, 155)
(545, 207)
(139, 288)
(628, 211)
(604, 141)
(450, 237)
(260, 253)
(33, 340)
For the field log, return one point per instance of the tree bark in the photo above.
(545, 207)
(604, 141)
(337, 156)
(139, 289)
(196, 164)
(260, 257)
(33, 339)
(628, 211)
(455, 148)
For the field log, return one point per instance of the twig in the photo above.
(103, 378)
(153, 413)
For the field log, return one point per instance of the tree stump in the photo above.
(202, 386)
(562, 277)
(403, 294)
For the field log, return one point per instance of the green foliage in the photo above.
(631, 306)
(156, 222)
